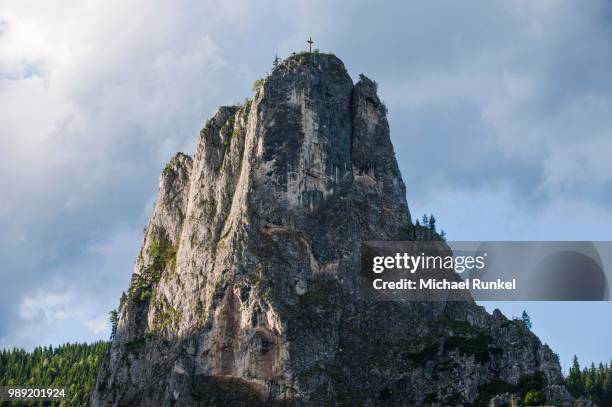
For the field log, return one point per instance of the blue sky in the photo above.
(499, 113)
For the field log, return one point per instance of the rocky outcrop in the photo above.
(246, 288)
(557, 395)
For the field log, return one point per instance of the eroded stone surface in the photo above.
(245, 290)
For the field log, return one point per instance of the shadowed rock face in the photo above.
(245, 291)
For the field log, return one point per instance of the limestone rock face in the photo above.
(245, 291)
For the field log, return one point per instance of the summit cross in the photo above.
(310, 42)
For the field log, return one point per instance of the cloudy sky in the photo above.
(499, 112)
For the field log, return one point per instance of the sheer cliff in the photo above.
(245, 291)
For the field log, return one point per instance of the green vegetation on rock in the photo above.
(534, 398)
(425, 355)
(163, 256)
(208, 207)
(320, 293)
(136, 344)
(526, 384)
(470, 341)
(478, 346)
(257, 84)
(166, 316)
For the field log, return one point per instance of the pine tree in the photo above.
(574, 379)
(432, 223)
(425, 220)
(526, 319)
(113, 317)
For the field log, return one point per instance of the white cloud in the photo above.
(98, 326)
(72, 301)
(49, 306)
(46, 314)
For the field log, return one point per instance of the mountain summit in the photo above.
(246, 288)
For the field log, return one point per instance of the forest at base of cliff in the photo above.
(75, 367)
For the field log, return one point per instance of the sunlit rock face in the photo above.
(245, 290)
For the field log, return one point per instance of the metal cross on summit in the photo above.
(310, 42)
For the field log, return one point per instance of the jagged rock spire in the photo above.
(246, 292)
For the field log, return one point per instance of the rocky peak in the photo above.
(245, 291)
